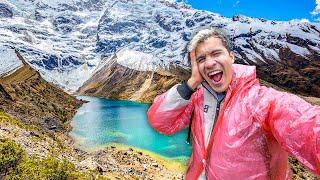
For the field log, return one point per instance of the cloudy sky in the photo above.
(268, 9)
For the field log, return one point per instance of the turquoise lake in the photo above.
(102, 121)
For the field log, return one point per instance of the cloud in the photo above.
(316, 10)
(237, 2)
(304, 21)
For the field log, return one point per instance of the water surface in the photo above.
(102, 121)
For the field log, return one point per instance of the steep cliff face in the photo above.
(120, 82)
(26, 95)
(296, 67)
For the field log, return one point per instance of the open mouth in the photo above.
(216, 76)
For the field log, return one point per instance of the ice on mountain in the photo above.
(9, 61)
(298, 50)
(137, 60)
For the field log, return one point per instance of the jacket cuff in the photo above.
(185, 91)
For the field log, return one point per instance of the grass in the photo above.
(6, 118)
(16, 164)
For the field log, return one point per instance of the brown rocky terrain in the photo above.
(26, 95)
(118, 82)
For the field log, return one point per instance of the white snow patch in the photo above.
(298, 50)
(272, 54)
(74, 77)
(253, 56)
(9, 61)
(55, 3)
(314, 48)
(137, 60)
(304, 20)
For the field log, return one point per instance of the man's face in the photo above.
(215, 63)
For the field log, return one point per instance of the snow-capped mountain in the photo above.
(163, 29)
(57, 37)
(69, 41)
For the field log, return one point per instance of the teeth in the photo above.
(214, 72)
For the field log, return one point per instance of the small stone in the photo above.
(154, 164)
(34, 134)
(100, 170)
(52, 127)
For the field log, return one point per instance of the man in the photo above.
(241, 130)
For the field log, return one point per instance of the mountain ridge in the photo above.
(72, 39)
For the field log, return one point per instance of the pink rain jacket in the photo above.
(256, 129)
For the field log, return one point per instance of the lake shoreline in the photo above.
(116, 160)
(110, 162)
(178, 164)
(130, 162)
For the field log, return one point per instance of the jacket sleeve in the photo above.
(170, 112)
(294, 123)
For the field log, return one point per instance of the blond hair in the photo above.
(205, 34)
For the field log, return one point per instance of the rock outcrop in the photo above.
(120, 82)
(26, 95)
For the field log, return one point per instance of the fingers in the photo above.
(193, 56)
(195, 80)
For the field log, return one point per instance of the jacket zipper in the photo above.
(215, 121)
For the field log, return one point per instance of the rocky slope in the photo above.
(295, 73)
(26, 95)
(120, 82)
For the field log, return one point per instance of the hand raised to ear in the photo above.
(196, 78)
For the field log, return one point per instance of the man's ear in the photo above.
(233, 57)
